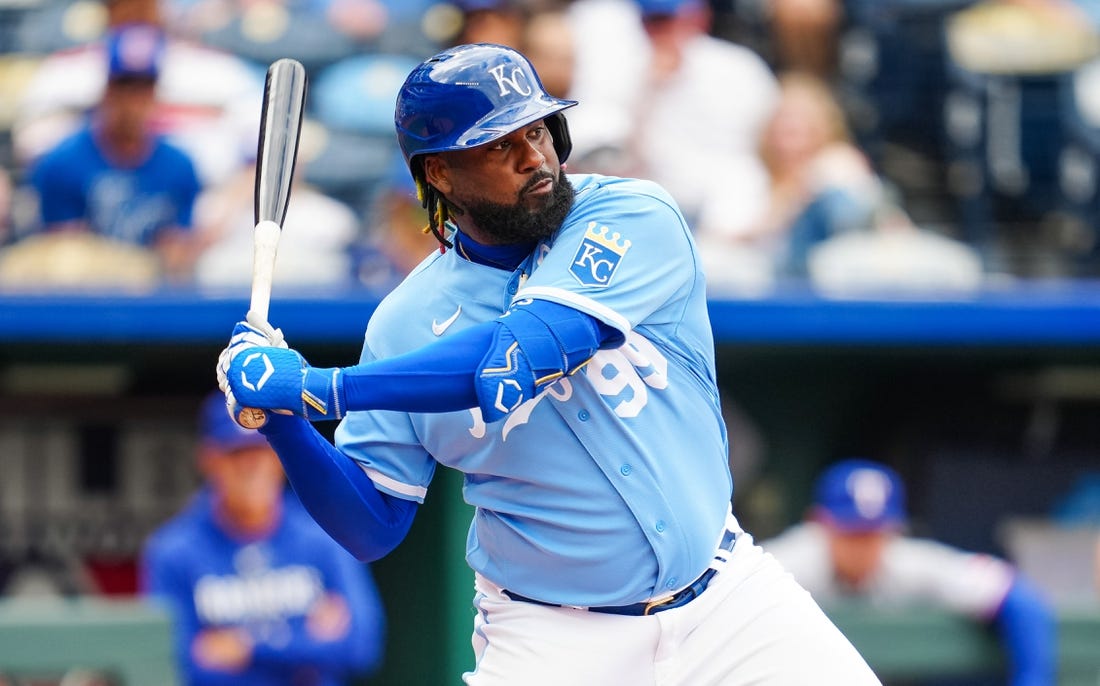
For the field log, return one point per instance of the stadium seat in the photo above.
(267, 32)
(1017, 155)
(892, 73)
(358, 94)
(349, 166)
(51, 25)
(354, 101)
(1079, 168)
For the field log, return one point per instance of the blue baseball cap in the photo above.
(860, 495)
(218, 430)
(652, 8)
(134, 51)
(491, 5)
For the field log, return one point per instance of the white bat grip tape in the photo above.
(265, 244)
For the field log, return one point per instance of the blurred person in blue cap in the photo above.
(198, 88)
(855, 544)
(117, 177)
(259, 593)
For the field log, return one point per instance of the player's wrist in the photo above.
(279, 423)
(323, 393)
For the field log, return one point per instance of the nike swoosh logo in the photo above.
(439, 327)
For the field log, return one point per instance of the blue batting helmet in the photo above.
(473, 94)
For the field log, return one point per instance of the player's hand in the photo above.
(222, 650)
(279, 379)
(329, 619)
(249, 418)
(246, 334)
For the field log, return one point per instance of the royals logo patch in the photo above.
(598, 256)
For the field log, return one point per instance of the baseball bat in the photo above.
(276, 155)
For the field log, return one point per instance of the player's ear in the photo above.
(437, 173)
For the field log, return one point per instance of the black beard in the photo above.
(510, 224)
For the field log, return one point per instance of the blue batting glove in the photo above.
(272, 378)
(247, 334)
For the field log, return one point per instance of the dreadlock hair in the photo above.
(434, 202)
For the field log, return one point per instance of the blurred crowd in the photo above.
(932, 144)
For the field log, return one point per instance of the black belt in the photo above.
(649, 607)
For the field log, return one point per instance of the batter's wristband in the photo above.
(322, 393)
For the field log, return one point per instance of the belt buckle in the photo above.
(652, 605)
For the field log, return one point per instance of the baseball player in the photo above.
(557, 351)
(852, 546)
(260, 596)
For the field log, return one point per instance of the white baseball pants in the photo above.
(753, 625)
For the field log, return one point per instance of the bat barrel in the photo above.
(280, 128)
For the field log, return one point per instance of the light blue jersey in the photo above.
(581, 497)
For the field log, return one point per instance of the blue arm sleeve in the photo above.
(436, 378)
(336, 492)
(1028, 630)
(442, 376)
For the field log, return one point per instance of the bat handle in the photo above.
(265, 244)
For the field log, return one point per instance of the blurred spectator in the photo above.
(115, 177)
(548, 42)
(318, 231)
(796, 35)
(489, 21)
(611, 54)
(357, 20)
(318, 33)
(398, 238)
(823, 212)
(818, 184)
(853, 545)
(199, 90)
(260, 594)
(701, 110)
(804, 35)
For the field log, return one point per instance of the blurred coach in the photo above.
(261, 596)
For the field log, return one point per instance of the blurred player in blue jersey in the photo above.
(853, 546)
(259, 594)
(117, 177)
(557, 351)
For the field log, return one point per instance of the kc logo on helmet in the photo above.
(598, 257)
(512, 80)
